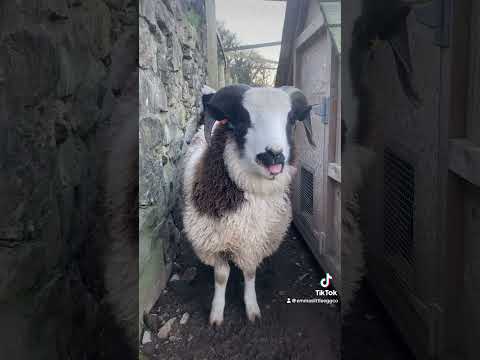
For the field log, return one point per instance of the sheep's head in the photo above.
(262, 122)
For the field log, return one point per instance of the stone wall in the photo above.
(63, 64)
(172, 61)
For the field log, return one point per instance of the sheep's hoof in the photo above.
(253, 312)
(216, 318)
(216, 322)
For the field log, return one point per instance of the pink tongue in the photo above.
(275, 169)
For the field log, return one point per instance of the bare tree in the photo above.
(246, 67)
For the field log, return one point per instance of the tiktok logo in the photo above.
(325, 282)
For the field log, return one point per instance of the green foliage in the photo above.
(246, 66)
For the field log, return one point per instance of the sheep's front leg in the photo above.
(250, 297)
(222, 271)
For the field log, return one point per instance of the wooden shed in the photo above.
(423, 208)
(310, 60)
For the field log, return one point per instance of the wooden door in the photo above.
(404, 207)
(316, 195)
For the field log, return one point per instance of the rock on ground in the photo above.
(147, 337)
(166, 328)
(184, 318)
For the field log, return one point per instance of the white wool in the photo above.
(252, 232)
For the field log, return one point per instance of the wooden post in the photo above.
(212, 57)
(221, 74)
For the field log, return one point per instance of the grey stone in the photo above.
(147, 337)
(162, 51)
(190, 38)
(152, 188)
(153, 97)
(175, 277)
(164, 18)
(185, 318)
(124, 58)
(93, 23)
(31, 62)
(170, 4)
(147, 47)
(148, 349)
(172, 70)
(151, 133)
(191, 128)
(147, 10)
(151, 181)
(175, 55)
(152, 322)
(166, 329)
(55, 61)
(71, 58)
(85, 112)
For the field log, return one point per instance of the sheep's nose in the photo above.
(276, 153)
(271, 157)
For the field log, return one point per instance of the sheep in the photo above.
(236, 183)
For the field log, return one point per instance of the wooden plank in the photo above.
(453, 109)
(212, 50)
(464, 159)
(335, 172)
(285, 63)
(471, 295)
(473, 130)
(471, 280)
(310, 31)
(254, 46)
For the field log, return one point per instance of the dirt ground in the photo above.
(369, 333)
(285, 332)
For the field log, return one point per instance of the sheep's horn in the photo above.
(399, 43)
(209, 121)
(208, 126)
(301, 110)
(307, 123)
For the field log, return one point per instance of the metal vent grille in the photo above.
(399, 215)
(306, 191)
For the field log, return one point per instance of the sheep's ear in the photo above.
(222, 105)
(300, 110)
(215, 112)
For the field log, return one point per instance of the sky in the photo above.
(254, 21)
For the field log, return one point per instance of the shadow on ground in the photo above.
(369, 333)
(285, 332)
